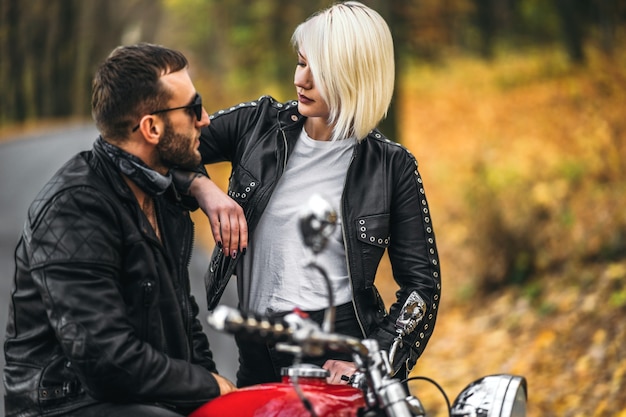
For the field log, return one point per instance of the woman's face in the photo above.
(310, 102)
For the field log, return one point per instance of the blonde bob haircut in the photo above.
(349, 51)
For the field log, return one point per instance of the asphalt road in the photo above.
(26, 163)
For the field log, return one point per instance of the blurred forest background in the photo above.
(515, 110)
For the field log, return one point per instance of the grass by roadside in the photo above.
(523, 164)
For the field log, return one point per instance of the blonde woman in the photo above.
(326, 142)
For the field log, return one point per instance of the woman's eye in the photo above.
(301, 64)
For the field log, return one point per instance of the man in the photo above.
(101, 320)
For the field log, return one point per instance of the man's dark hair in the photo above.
(127, 86)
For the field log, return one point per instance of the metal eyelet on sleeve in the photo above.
(242, 186)
(374, 230)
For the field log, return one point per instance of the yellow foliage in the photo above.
(551, 146)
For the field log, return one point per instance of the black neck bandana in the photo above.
(150, 181)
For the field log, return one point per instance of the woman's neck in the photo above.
(317, 129)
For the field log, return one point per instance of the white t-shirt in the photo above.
(276, 276)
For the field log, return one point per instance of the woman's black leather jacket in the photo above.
(101, 309)
(383, 207)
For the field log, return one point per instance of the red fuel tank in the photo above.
(281, 399)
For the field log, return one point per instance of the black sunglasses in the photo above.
(196, 106)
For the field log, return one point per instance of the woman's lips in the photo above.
(304, 99)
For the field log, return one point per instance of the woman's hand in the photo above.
(340, 371)
(228, 223)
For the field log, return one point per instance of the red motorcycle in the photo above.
(304, 392)
(372, 391)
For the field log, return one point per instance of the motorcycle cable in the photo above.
(432, 381)
(303, 399)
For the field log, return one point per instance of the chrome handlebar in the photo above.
(292, 328)
(299, 335)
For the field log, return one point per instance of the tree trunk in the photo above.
(571, 23)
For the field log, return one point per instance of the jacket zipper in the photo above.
(187, 307)
(286, 151)
(147, 288)
(345, 241)
(161, 247)
(189, 312)
(182, 273)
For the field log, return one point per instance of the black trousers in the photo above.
(260, 362)
(123, 410)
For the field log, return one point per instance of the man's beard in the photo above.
(175, 149)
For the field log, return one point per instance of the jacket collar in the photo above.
(289, 117)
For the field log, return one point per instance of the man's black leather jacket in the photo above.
(101, 309)
(383, 207)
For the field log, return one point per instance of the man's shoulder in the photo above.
(75, 175)
(77, 171)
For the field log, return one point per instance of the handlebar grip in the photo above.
(292, 328)
(230, 320)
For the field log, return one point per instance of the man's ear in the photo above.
(151, 128)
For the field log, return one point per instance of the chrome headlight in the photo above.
(492, 396)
